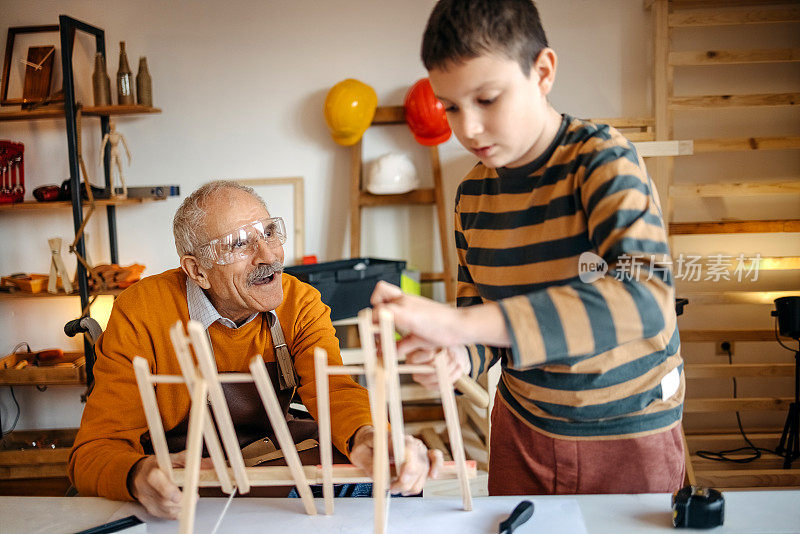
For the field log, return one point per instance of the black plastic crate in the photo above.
(346, 285)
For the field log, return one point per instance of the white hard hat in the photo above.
(391, 174)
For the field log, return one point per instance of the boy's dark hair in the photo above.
(464, 29)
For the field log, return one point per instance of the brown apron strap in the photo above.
(286, 376)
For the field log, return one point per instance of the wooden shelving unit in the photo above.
(57, 112)
(669, 64)
(23, 295)
(66, 204)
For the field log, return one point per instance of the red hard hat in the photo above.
(425, 114)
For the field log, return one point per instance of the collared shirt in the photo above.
(202, 310)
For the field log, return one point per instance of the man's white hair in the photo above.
(189, 223)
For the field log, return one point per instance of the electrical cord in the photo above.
(4, 433)
(725, 456)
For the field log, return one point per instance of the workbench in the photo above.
(772, 512)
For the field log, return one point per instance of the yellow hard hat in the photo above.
(349, 110)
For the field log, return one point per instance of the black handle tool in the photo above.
(521, 513)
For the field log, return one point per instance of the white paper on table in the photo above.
(417, 515)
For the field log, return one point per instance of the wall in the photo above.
(241, 85)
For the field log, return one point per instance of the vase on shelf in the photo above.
(124, 79)
(144, 84)
(101, 84)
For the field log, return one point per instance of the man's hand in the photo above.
(456, 363)
(419, 465)
(154, 490)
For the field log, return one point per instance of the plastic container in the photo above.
(346, 285)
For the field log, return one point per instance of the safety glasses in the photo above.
(241, 243)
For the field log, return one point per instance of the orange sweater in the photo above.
(107, 444)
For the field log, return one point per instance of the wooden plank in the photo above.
(736, 297)
(32, 471)
(109, 111)
(625, 122)
(727, 441)
(442, 216)
(746, 478)
(731, 263)
(282, 476)
(723, 17)
(64, 204)
(652, 149)
(696, 4)
(355, 199)
(324, 423)
(702, 336)
(734, 227)
(389, 115)
(733, 101)
(663, 74)
(57, 112)
(733, 57)
(736, 405)
(735, 189)
(741, 144)
(453, 430)
(765, 462)
(417, 196)
(59, 455)
(725, 370)
(432, 277)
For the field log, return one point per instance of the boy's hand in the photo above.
(154, 490)
(430, 324)
(419, 465)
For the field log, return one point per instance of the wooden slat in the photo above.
(747, 478)
(389, 115)
(725, 441)
(696, 4)
(733, 101)
(731, 263)
(650, 149)
(45, 295)
(767, 461)
(702, 336)
(735, 189)
(734, 227)
(434, 441)
(63, 204)
(35, 456)
(736, 297)
(733, 57)
(739, 144)
(624, 122)
(417, 196)
(722, 17)
(33, 471)
(56, 112)
(108, 111)
(725, 370)
(736, 405)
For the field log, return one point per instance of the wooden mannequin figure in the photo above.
(113, 138)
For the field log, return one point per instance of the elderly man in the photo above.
(230, 280)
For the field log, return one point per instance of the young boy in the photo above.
(591, 391)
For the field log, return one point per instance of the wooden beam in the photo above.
(389, 115)
(725, 370)
(722, 17)
(736, 297)
(733, 57)
(417, 196)
(747, 478)
(650, 149)
(725, 441)
(735, 189)
(709, 405)
(703, 336)
(734, 227)
(741, 144)
(733, 101)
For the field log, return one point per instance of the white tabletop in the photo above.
(772, 512)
